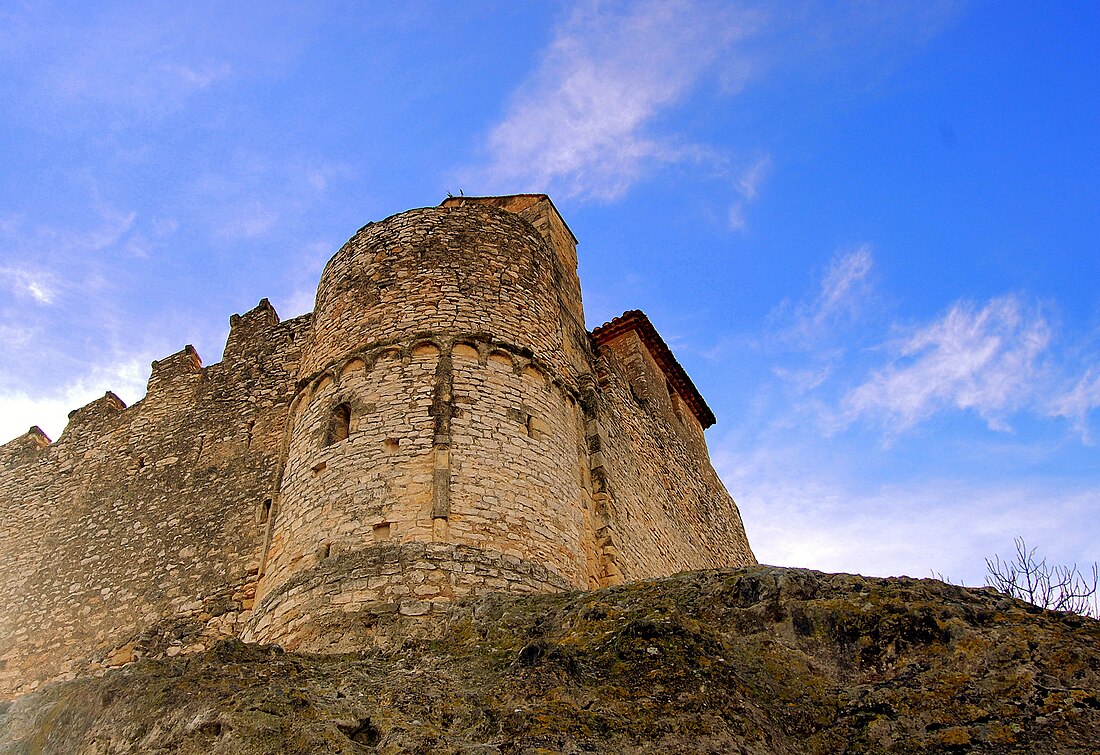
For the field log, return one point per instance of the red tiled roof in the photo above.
(635, 320)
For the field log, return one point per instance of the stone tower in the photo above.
(442, 424)
(436, 442)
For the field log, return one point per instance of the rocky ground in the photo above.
(759, 660)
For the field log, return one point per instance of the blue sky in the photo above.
(870, 232)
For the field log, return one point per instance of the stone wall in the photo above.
(517, 452)
(442, 424)
(373, 486)
(385, 592)
(438, 350)
(139, 513)
(665, 510)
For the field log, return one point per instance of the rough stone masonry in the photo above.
(441, 424)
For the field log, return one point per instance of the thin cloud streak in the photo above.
(582, 126)
(55, 247)
(125, 377)
(65, 317)
(841, 285)
(747, 186)
(844, 290)
(749, 182)
(979, 359)
(1076, 404)
(808, 330)
(23, 282)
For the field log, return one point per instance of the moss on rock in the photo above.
(756, 660)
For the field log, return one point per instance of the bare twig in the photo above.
(1060, 588)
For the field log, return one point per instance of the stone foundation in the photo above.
(357, 600)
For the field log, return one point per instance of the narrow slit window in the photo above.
(339, 427)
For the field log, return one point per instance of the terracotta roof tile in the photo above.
(636, 320)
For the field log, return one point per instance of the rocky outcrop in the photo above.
(756, 660)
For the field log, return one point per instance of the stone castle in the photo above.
(442, 424)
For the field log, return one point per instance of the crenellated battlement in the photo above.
(184, 363)
(255, 338)
(442, 424)
(24, 448)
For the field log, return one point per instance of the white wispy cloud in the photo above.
(581, 126)
(64, 262)
(33, 283)
(747, 186)
(810, 340)
(64, 318)
(593, 119)
(807, 339)
(749, 181)
(844, 289)
(984, 359)
(50, 409)
(805, 379)
(841, 356)
(1076, 404)
(847, 273)
(800, 509)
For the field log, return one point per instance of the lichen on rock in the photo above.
(755, 660)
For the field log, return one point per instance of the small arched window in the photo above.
(339, 425)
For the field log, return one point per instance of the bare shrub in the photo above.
(1053, 586)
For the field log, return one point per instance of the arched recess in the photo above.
(339, 424)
